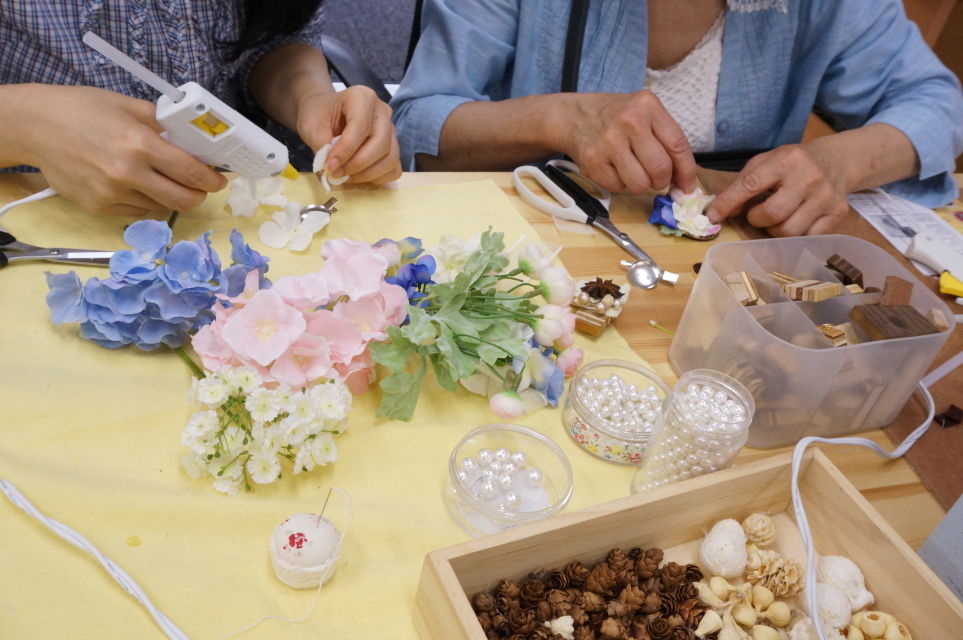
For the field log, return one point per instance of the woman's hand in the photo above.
(368, 149)
(103, 150)
(625, 141)
(808, 191)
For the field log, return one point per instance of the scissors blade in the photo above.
(59, 254)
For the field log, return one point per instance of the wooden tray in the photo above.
(843, 523)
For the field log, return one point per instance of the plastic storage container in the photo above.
(801, 384)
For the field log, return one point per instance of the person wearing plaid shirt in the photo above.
(89, 126)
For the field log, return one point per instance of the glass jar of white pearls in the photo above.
(704, 425)
(503, 475)
(612, 408)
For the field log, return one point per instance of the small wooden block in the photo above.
(938, 318)
(795, 290)
(781, 278)
(850, 273)
(741, 286)
(822, 291)
(896, 292)
(853, 288)
(887, 322)
(835, 335)
(590, 323)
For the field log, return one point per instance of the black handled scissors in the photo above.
(12, 251)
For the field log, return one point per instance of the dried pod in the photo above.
(761, 597)
(720, 586)
(578, 615)
(895, 630)
(612, 628)
(482, 602)
(584, 633)
(744, 614)
(618, 609)
(730, 629)
(708, 596)
(834, 611)
(672, 574)
(782, 576)
(601, 580)
(508, 589)
(853, 633)
(652, 603)
(658, 628)
(556, 580)
(723, 551)
(762, 632)
(844, 574)
(485, 620)
(632, 596)
(711, 622)
(872, 623)
(778, 614)
(532, 592)
(759, 529)
(591, 602)
(521, 620)
(576, 572)
(693, 573)
(617, 560)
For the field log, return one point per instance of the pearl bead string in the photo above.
(494, 476)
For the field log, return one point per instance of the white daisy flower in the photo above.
(332, 402)
(263, 467)
(244, 379)
(263, 405)
(302, 408)
(230, 486)
(295, 432)
(199, 432)
(323, 449)
(212, 391)
(303, 460)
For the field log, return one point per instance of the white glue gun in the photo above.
(196, 121)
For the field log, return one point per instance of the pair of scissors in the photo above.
(572, 202)
(12, 251)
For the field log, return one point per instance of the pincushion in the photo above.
(304, 550)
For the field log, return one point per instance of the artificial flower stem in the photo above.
(465, 335)
(196, 370)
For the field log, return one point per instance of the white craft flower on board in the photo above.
(451, 254)
(287, 229)
(688, 209)
(247, 194)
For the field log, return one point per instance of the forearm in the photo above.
(284, 78)
(493, 136)
(16, 123)
(867, 157)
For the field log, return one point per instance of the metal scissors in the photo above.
(12, 251)
(572, 202)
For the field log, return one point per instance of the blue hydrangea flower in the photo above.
(662, 212)
(155, 296)
(414, 277)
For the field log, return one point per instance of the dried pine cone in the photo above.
(591, 602)
(579, 616)
(618, 609)
(560, 609)
(651, 584)
(577, 573)
(627, 577)
(617, 560)
(675, 620)
(646, 566)
(543, 611)
(692, 611)
(654, 554)
(521, 620)
(672, 574)
(686, 591)
(693, 573)
(485, 620)
(668, 603)
(634, 554)
(503, 605)
(499, 622)
(659, 628)
(584, 632)
(556, 580)
(601, 580)
(632, 596)
(482, 602)
(508, 589)
(532, 592)
(640, 630)
(682, 633)
(652, 603)
(759, 529)
(612, 629)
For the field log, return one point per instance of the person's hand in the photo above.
(368, 149)
(808, 192)
(626, 142)
(103, 150)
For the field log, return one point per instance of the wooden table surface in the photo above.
(891, 486)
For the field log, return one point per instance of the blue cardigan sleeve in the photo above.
(885, 72)
(465, 53)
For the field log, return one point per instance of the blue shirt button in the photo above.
(722, 127)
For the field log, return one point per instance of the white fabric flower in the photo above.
(263, 467)
(247, 194)
(689, 212)
(532, 260)
(556, 285)
(212, 391)
(244, 379)
(263, 405)
(194, 464)
(332, 401)
(199, 432)
(323, 449)
(286, 228)
(303, 460)
(451, 254)
(230, 486)
(318, 166)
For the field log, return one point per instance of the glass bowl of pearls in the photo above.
(612, 408)
(503, 475)
(705, 424)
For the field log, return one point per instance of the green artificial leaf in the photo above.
(420, 331)
(394, 353)
(442, 373)
(459, 363)
(401, 391)
(499, 339)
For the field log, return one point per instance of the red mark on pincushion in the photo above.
(297, 540)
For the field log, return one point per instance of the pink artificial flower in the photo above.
(214, 352)
(374, 313)
(304, 292)
(352, 268)
(507, 405)
(569, 360)
(343, 337)
(357, 374)
(556, 323)
(556, 285)
(264, 328)
(303, 362)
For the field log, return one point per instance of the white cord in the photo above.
(803, 523)
(40, 195)
(130, 586)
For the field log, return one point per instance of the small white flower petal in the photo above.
(271, 234)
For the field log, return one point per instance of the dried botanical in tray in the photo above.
(627, 596)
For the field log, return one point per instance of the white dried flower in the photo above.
(843, 573)
(263, 467)
(723, 551)
(759, 529)
(782, 576)
(834, 611)
(563, 626)
(212, 391)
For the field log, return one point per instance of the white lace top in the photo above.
(688, 88)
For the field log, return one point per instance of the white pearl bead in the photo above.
(487, 474)
(485, 456)
(533, 476)
(487, 489)
(469, 464)
(462, 475)
(719, 397)
(496, 467)
(509, 468)
(502, 454)
(505, 482)
(511, 499)
(519, 458)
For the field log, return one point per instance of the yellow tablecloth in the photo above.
(92, 436)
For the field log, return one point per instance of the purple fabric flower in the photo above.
(662, 212)
(414, 277)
